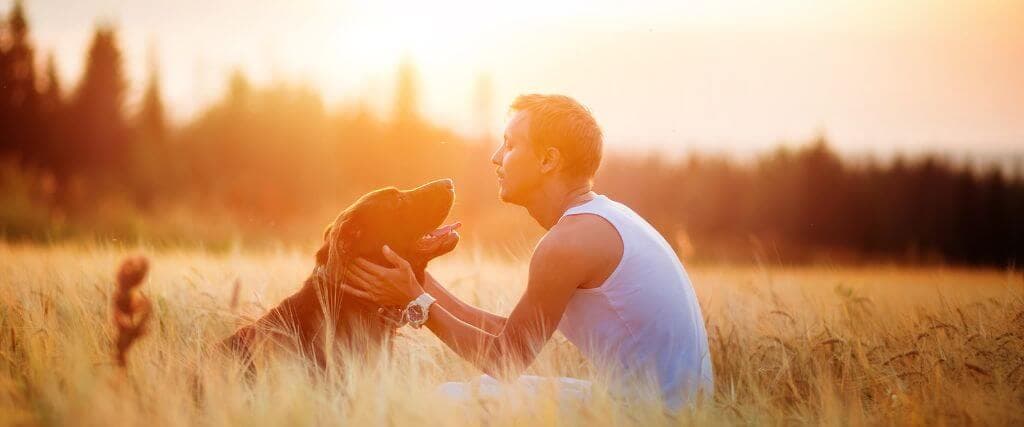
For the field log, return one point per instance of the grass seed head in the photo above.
(131, 309)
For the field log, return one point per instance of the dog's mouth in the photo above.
(439, 241)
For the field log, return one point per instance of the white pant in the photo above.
(569, 390)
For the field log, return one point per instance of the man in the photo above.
(601, 275)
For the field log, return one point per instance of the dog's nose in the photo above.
(447, 183)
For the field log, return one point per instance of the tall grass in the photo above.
(789, 345)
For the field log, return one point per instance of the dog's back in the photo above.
(312, 322)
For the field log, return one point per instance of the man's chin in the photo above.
(509, 200)
(505, 196)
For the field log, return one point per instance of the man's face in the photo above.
(518, 166)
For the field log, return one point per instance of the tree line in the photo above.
(273, 160)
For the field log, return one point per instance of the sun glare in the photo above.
(380, 38)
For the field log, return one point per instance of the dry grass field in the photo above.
(835, 346)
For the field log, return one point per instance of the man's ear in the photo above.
(550, 159)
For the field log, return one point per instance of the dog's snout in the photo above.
(447, 183)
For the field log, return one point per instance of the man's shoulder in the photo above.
(586, 236)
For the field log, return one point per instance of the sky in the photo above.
(726, 76)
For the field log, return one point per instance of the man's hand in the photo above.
(382, 285)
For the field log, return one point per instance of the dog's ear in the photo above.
(323, 254)
(340, 237)
(327, 231)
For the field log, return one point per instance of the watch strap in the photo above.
(422, 304)
(424, 300)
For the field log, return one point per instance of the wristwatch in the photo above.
(418, 310)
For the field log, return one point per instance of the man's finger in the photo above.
(358, 283)
(354, 272)
(356, 292)
(374, 269)
(354, 275)
(395, 259)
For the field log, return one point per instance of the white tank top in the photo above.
(644, 321)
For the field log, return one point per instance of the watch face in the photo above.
(415, 314)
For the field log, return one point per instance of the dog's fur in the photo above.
(319, 318)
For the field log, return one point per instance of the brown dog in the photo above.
(320, 317)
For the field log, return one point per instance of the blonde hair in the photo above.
(559, 121)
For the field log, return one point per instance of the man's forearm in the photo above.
(495, 354)
(476, 317)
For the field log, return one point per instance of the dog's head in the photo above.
(408, 221)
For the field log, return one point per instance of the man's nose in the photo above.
(496, 157)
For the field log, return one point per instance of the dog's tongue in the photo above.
(445, 230)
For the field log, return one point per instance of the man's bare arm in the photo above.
(565, 259)
(556, 270)
(478, 318)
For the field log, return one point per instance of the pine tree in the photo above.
(97, 108)
(483, 106)
(151, 121)
(149, 165)
(19, 121)
(51, 98)
(51, 115)
(239, 92)
(409, 134)
(405, 111)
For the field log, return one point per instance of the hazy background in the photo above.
(877, 76)
(835, 132)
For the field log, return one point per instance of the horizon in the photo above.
(875, 79)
